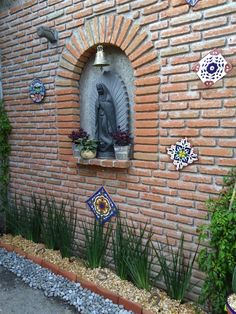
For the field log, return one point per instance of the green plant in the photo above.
(97, 237)
(24, 217)
(175, 270)
(89, 144)
(58, 227)
(218, 259)
(140, 257)
(234, 281)
(120, 249)
(5, 148)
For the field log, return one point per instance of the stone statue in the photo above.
(105, 122)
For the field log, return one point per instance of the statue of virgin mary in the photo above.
(105, 122)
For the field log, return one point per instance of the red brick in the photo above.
(37, 260)
(123, 31)
(108, 294)
(131, 306)
(109, 28)
(171, 12)
(130, 36)
(116, 31)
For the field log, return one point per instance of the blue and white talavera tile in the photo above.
(102, 205)
(182, 154)
(212, 67)
(192, 2)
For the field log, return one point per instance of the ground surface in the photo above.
(17, 298)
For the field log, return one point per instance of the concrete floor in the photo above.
(18, 298)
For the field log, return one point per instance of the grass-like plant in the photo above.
(97, 236)
(42, 220)
(24, 217)
(140, 257)
(175, 269)
(58, 227)
(121, 249)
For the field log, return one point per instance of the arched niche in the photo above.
(119, 79)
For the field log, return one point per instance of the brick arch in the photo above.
(135, 43)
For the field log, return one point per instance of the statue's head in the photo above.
(100, 89)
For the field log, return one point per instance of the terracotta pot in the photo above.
(122, 152)
(88, 154)
(230, 310)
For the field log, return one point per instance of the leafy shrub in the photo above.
(97, 237)
(219, 258)
(175, 270)
(5, 148)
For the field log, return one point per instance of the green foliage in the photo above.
(42, 220)
(120, 249)
(5, 130)
(175, 270)
(25, 218)
(88, 144)
(234, 281)
(97, 237)
(58, 230)
(140, 257)
(219, 258)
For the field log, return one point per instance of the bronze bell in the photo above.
(100, 59)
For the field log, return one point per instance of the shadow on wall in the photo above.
(6, 4)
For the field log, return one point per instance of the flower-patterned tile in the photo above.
(102, 205)
(182, 154)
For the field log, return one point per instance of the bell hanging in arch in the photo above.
(100, 58)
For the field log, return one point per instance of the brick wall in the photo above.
(162, 39)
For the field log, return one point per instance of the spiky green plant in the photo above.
(140, 258)
(58, 230)
(24, 217)
(97, 236)
(175, 269)
(121, 249)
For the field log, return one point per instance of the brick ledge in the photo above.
(105, 163)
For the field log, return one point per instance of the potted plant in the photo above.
(77, 137)
(122, 143)
(88, 148)
(231, 300)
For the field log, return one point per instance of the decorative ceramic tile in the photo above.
(37, 91)
(192, 2)
(182, 154)
(102, 205)
(212, 67)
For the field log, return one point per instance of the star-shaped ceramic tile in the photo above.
(102, 205)
(182, 154)
(212, 67)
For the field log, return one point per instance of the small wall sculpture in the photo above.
(102, 205)
(37, 91)
(182, 154)
(212, 67)
(192, 2)
(48, 33)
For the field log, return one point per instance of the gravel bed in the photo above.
(37, 277)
